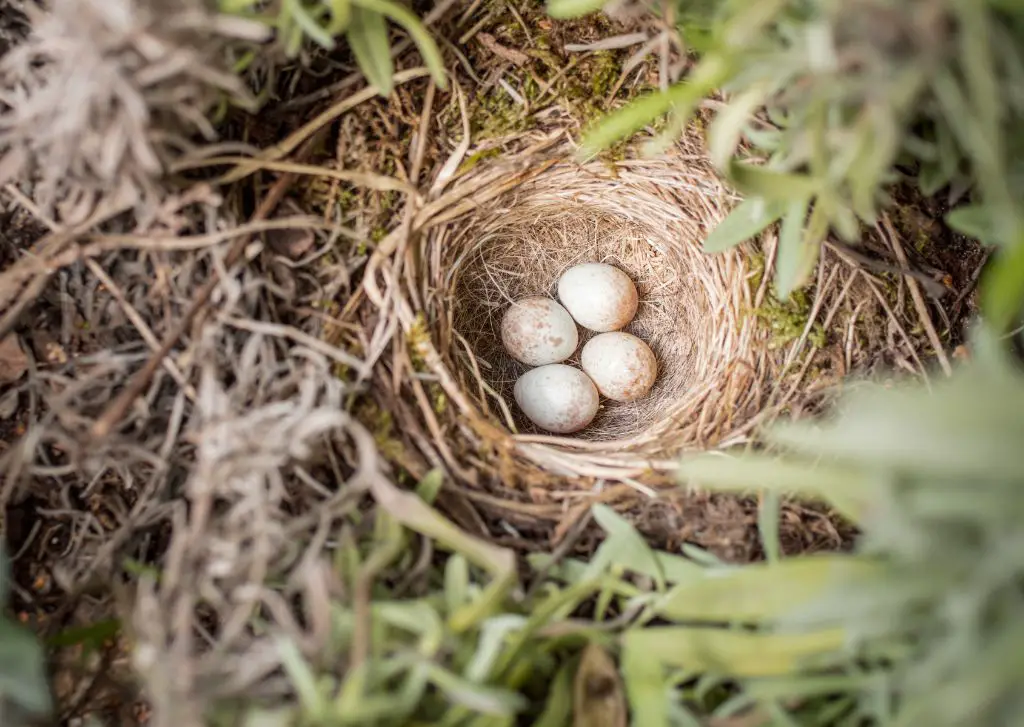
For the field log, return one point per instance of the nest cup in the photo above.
(512, 226)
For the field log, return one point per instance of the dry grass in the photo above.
(215, 505)
(506, 229)
(104, 94)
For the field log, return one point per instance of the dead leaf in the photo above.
(509, 54)
(13, 361)
(598, 699)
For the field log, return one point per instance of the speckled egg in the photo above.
(621, 365)
(538, 331)
(599, 296)
(557, 398)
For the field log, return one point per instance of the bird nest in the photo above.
(507, 228)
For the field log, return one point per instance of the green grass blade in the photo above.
(764, 592)
(416, 30)
(736, 654)
(630, 550)
(646, 689)
(308, 24)
(558, 707)
(848, 490)
(367, 35)
(341, 15)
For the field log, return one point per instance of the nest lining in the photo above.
(503, 241)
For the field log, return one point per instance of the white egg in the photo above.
(621, 365)
(538, 331)
(599, 296)
(557, 398)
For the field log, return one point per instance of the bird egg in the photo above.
(621, 365)
(599, 296)
(538, 331)
(557, 398)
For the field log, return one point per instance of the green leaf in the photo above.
(1002, 290)
(478, 697)
(758, 181)
(646, 688)
(314, 702)
(727, 128)
(430, 486)
(974, 221)
(308, 24)
(341, 14)
(566, 9)
(764, 592)
(849, 491)
(493, 635)
(558, 707)
(630, 550)
(768, 526)
(747, 219)
(23, 671)
(680, 98)
(419, 34)
(367, 35)
(735, 653)
(456, 582)
(968, 426)
(797, 251)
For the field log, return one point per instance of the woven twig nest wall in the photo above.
(647, 218)
(507, 228)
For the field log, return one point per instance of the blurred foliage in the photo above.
(829, 102)
(923, 624)
(24, 690)
(363, 23)
(927, 616)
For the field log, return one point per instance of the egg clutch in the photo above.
(540, 332)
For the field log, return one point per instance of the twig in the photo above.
(140, 325)
(119, 407)
(915, 293)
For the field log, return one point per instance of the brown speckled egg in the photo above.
(558, 398)
(538, 331)
(621, 365)
(599, 296)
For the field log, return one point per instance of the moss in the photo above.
(438, 399)
(417, 339)
(787, 320)
(473, 159)
(382, 426)
(497, 114)
(756, 261)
